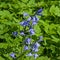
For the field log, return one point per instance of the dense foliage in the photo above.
(48, 27)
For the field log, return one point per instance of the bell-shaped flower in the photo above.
(28, 41)
(12, 55)
(29, 54)
(35, 55)
(26, 48)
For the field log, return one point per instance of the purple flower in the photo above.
(22, 33)
(24, 23)
(35, 56)
(40, 39)
(26, 48)
(29, 19)
(40, 10)
(12, 55)
(31, 31)
(37, 44)
(28, 41)
(25, 14)
(30, 54)
(35, 49)
(35, 18)
(34, 23)
(14, 33)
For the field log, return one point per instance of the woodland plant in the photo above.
(29, 30)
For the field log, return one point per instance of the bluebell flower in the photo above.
(22, 33)
(14, 33)
(29, 19)
(29, 54)
(35, 49)
(36, 45)
(25, 14)
(12, 55)
(35, 55)
(35, 18)
(40, 10)
(40, 39)
(28, 41)
(24, 23)
(26, 48)
(32, 31)
(34, 23)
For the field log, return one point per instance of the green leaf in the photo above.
(3, 45)
(1, 58)
(45, 12)
(55, 10)
(37, 30)
(55, 39)
(31, 3)
(5, 14)
(43, 58)
(58, 30)
(25, 1)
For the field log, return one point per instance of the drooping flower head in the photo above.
(35, 47)
(26, 48)
(22, 33)
(34, 23)
(29, 19)
(28, 41)
(29, 54)
(25, 14)
(12, 55)
(35, 56)
(32, 32)
(14, 33)
(24, 23)
(35, 18)
(40, 39)
(40, 10)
